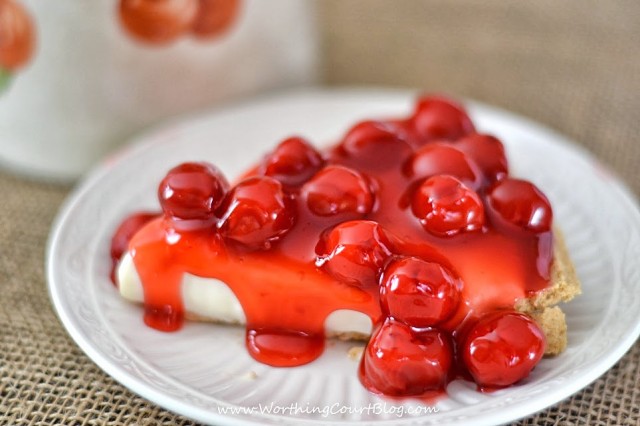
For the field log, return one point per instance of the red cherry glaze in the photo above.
(293, 162)
(488, 154)
(338, 191)
(157, 21)
(354, 252)
(17, 35)
(443, 158)
(282, 303)
(438, 118)
(215, 17)
(192, 191)
(284, 348)
(502, 348)
(520, 203)
(401, 362)
(418, 293)
(167, 317)
(445, 206)
(321, 264)
(125, 231)
(257, 213)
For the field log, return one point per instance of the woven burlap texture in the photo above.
(572, 65)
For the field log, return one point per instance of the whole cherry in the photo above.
(338, 190)
(442, 158)
(521, 204)
(502, 348)
(192, 191)
(354, 252)
(419, 293)
(445, 206)
(399, 361)
(257, 213)
(376, 144)
(368, 133)
(437, 117)
(125, 231)
(158, 21)
(293, 162)
(488, 154)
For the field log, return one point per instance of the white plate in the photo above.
(204, 371)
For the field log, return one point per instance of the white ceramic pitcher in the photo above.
(90, 85)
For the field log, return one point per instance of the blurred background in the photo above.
(100, 72)
(572, 65)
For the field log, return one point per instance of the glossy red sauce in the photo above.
(287, 295)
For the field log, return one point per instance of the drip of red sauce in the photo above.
(283, 348)
(278, 292)
(286, 295)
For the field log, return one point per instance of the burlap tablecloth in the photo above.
(573, 65)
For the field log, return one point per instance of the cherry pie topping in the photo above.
(413, 222)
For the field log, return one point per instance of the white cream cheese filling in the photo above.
(213, 300)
